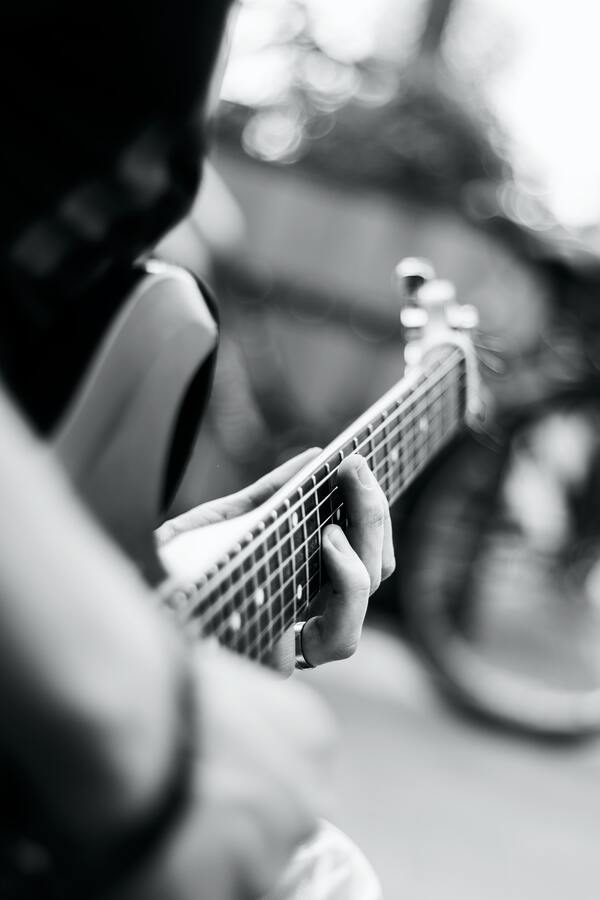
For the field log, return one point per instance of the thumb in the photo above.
(335, 632)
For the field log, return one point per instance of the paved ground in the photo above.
(447, 809)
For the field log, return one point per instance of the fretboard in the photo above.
(265, 583)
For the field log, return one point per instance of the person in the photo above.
(132, 766)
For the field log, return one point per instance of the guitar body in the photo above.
(128, 432)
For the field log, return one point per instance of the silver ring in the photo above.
(301, 660)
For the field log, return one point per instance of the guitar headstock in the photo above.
(432, 317)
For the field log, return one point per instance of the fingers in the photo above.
(355, 564)
(336, 632)
(369, 530)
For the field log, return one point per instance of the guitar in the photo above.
(260, 572)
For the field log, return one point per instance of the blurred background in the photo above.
(350, 134)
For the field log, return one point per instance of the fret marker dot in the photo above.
(235, 621)
(294, 519)
(395, 454)
(299, 592)
(338, 514)
(423, 424)
(259, 597)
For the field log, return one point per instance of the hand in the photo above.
(355, 563)
(262, 774)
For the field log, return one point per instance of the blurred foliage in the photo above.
(411, 126)
(403, 126)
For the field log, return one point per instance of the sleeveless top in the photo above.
(102, 139)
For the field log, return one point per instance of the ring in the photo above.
(301, 660)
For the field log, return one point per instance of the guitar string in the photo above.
(416, 412)
(276, 626)
(395, 482)
(280, 615)
(214, 578)
(215, 611)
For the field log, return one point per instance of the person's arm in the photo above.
(89, 686)
(88, 670)
(356, 563)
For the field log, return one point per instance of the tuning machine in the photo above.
(428, 304)
(411, 274)
(432, 318)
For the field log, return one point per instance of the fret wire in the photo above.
(270, 555)
(318, 506)
(386, 474)
(402, 425)
(319, 527)
(331, 494)
(290, 606)
(302, 590)
(294, 551)
(410, 443)
(370, 442)
(289, 554)
(258, 563)
(254, 596)
(430, 385)
(401, 409)
(266, 609)
(278, 552)
(434, 444)
(400, 484)
(285, 609)
(290, 581)
(414, 459)
(216, 612)
(292, 557)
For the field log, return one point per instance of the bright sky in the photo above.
(549, 98)
(546, 95)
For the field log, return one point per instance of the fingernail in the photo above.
(335, 536)
(363, 472)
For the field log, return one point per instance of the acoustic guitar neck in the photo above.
(264, 583)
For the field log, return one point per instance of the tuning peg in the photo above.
(411, 274)
(438, 299)
(464, 318)
(432, 318)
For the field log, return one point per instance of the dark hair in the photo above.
(101, 152)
